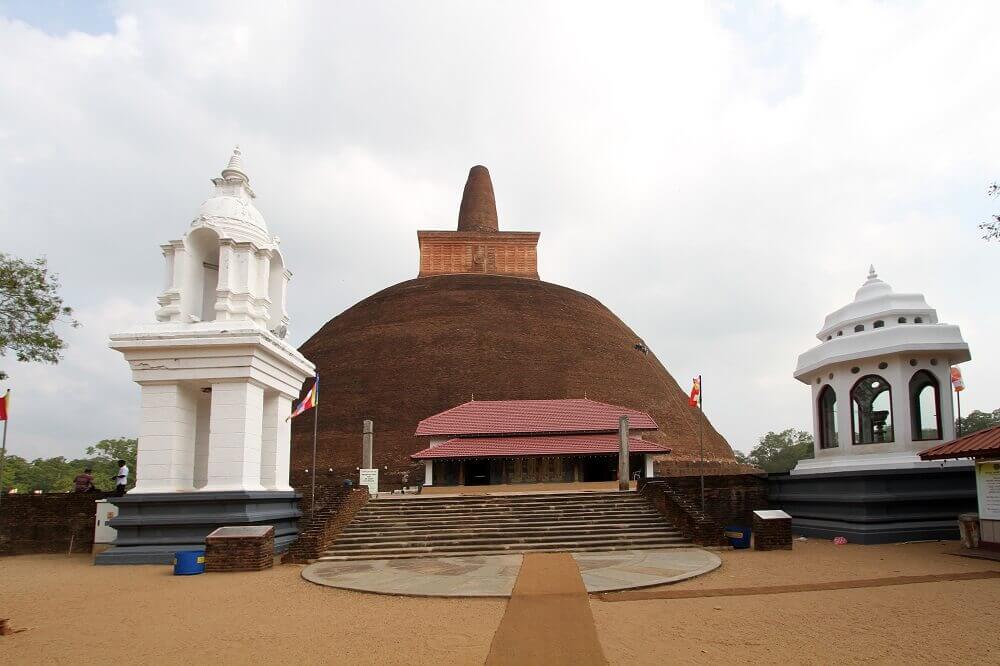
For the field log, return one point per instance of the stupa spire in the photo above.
(871, 272)
(235, 167)
(478, 211)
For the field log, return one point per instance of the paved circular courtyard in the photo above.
(494, 575)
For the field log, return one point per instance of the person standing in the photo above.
(121, 480)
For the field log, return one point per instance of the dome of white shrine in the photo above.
(880, 321)
(231, 211)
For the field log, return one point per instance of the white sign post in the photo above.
(369, 477)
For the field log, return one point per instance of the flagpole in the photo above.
(701, 440)
(958, 396)
(312, 501)
(3, 446)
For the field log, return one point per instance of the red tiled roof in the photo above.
(496, 417)
(985, 443)
(542, 445)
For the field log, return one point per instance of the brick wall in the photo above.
(730, 499)
(683, 514)
(336, 506)
(47, 523)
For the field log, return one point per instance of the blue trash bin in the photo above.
(189, 562)
(739, 537)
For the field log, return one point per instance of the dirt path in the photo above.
(548, 619)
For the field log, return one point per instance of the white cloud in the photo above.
(719, 176)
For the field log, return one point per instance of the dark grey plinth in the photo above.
(876, 506)
(153, 526)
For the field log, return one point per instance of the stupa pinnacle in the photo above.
(478, 211)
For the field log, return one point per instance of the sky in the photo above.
(719, 174)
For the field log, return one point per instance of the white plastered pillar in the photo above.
(165, 460)
(648, 461)
(275, 453)
(428, 472)
(234, 441)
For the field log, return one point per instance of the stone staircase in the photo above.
(458, 525)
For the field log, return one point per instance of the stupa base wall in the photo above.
(153, 526)
(876, 506)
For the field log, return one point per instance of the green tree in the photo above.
(104, 457)
(977, 420)
(779, 451)
(55, 475)
(992, 228)
(30, 306)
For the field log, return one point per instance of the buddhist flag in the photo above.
(957, 382)
(4, 405)
(695, 398)
(308, 402)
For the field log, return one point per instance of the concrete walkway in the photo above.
(495, 575)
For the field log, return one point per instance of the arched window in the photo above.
(827, 418)
(918, 320)
(859, 328)
(203, 273)
(925, 406)
(878, 323)
(901, 320)
(871, 411)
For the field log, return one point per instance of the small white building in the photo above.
(217, 376)
(880, 380)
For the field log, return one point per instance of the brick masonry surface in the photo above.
(239, 553)
(730, 499)
(772, 533)
(48, 523)
(336, 506)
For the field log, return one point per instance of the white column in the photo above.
(275, 453)
(234, 440)
(166, 439)
(648, 459)
(428, 472)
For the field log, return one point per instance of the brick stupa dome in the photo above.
(426, 345)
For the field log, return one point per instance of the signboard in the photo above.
(988, 486)
(103, 532)
(369, 477)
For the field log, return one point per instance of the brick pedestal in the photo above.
(240, 549)
(772, 530)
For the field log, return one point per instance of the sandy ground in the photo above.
(74, 611)
(945, 623)
(78, 613)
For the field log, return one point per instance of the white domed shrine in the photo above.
(880, 380)
(217, 383)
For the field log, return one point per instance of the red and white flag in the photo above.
(4, 405)
(308, 402)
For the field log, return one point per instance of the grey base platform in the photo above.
(876, 506)
(153, 526)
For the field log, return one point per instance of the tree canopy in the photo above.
(977, 420)
(55, 475)
(991, 229)
(30, 306)
(779, 451)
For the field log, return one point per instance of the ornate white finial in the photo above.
(235, 167)
(871, 272)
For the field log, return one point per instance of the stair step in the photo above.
(364, 529)
(455, 551)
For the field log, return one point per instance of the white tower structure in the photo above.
(217, 377)
(880, 380)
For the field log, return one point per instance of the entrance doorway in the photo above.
(477, 473)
